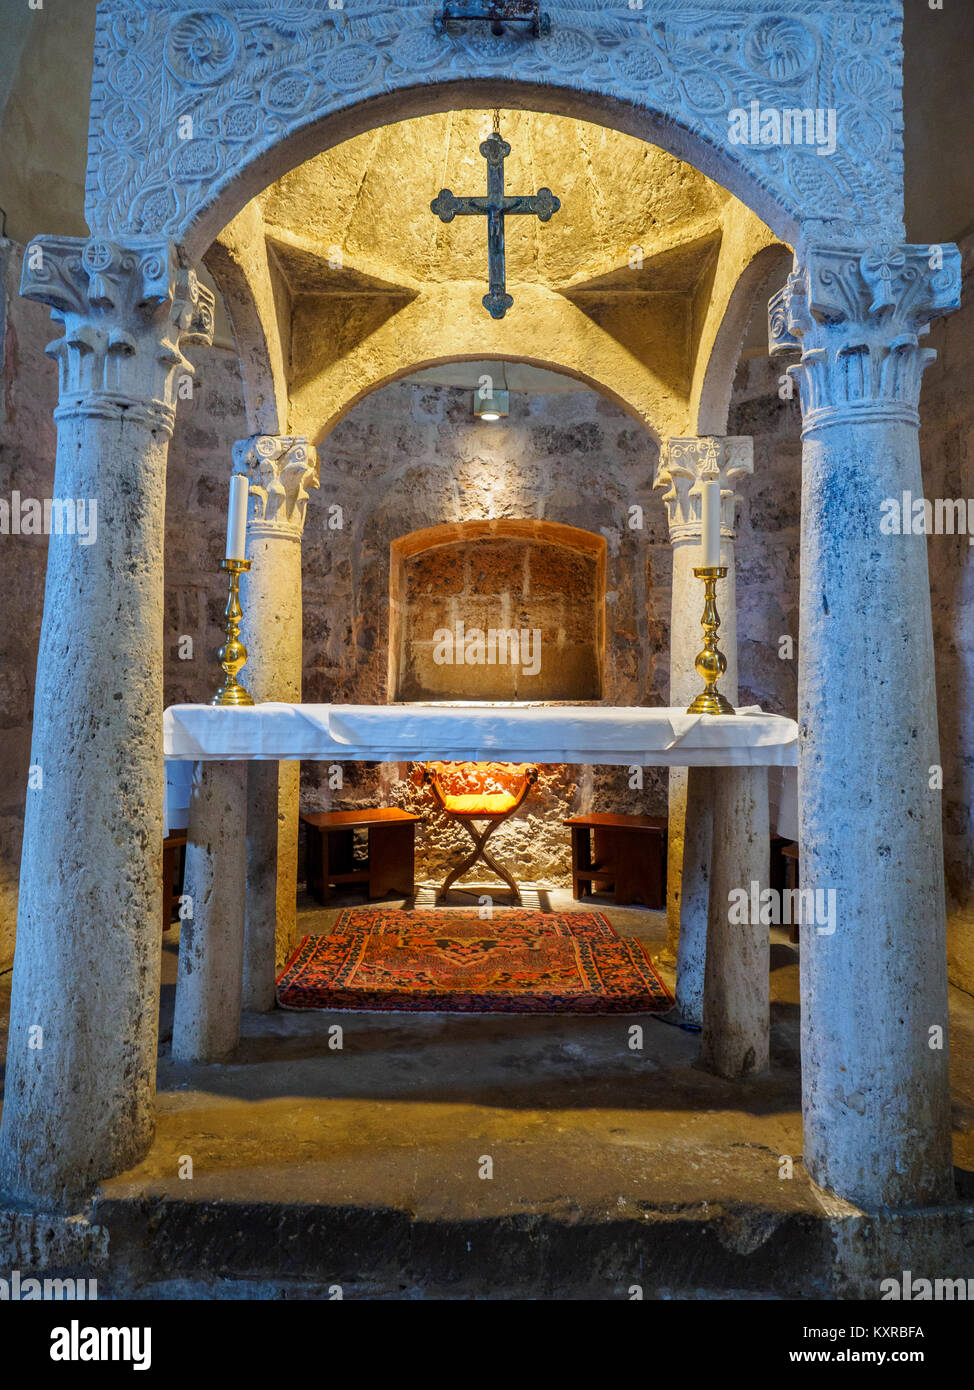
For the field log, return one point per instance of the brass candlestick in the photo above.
(711, 663)
(233, 654)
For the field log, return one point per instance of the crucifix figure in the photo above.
(495, 207)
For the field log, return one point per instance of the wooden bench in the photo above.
(790, 853)
(330, 846)
(622, 854)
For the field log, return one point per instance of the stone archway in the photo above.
(337, 267)
(711, 395)
(623, 386)
(240, 92)
(194, 109)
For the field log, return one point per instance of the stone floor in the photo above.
(361, 1167)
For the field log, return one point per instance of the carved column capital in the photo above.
(127, 306)
(686, 463)
(281, 468)
(856, 316)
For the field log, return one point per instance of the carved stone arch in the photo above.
(768, 268)
(237, 260)
(195, 107)
(339, 408)
(568, 341)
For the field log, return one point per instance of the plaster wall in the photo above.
(46, 58)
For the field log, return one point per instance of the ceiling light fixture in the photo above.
(490, 401)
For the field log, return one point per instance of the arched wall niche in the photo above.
(500, 609)
(241, 91)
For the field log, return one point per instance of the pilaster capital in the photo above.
(686, 463)
(856, 315)
(281, 468)
(128, 306)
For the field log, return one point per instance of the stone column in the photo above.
(736, 1006)
(206, 1024)
(280, 469)
(875, 1078)
(81, 1060)
(684, 465)
(694, 868)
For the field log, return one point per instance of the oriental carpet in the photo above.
(451, 960)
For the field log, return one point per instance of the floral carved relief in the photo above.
(247, 74)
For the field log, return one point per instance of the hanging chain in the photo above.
(497, 120)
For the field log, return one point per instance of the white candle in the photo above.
(710, 525)
(237, 517)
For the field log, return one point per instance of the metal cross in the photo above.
(495, 207)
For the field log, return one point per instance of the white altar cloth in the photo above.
(480, 733)
(465, 732)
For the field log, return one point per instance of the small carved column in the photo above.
(281, 470)
(875, 1084)
(684, 465)
(81, 1061)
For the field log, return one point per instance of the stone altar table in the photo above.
(729, 846)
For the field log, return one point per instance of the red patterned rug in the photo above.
(452, 960)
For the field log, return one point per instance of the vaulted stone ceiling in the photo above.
(626, 286)
(371, 196)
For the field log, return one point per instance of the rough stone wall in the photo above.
(197, 489)
(947, 453)
(548, 592)
(28, 395)
(768, 532)
(411, 456)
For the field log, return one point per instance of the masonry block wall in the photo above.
(462, 601)
(768, 539)
(412, 456)
(947, 450)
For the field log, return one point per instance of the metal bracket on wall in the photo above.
(496, 13)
